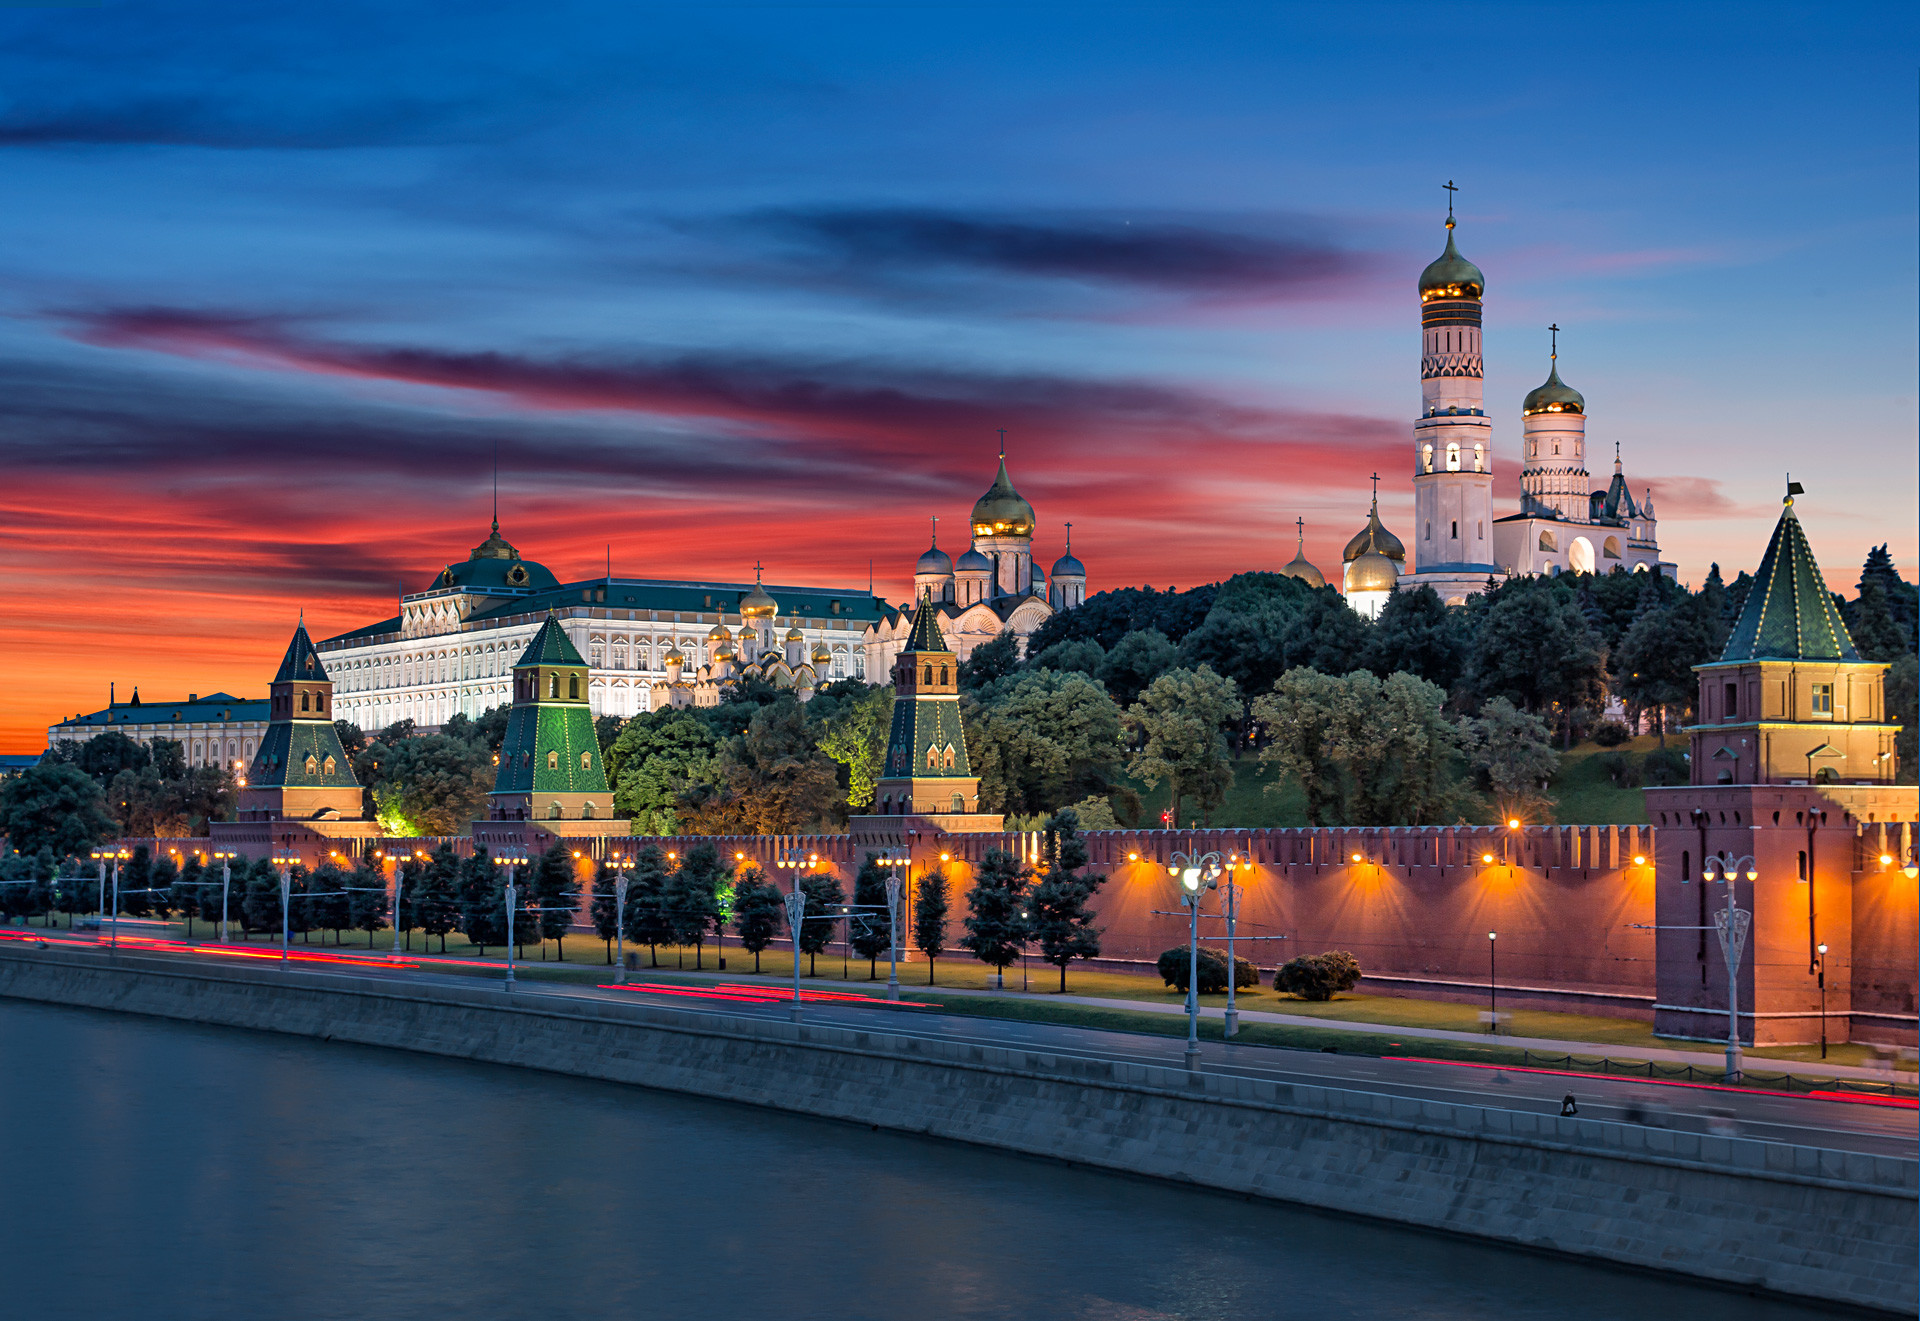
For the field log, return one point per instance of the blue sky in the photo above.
(739, 282)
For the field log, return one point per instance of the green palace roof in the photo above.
(214, 708)
(1790, 614)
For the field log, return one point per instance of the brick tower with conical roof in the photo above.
(550, 769)
(1792, 778)
(301, 772)
(926, 771)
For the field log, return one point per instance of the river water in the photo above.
(159, 1170)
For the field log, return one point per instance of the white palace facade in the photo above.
(450, 651)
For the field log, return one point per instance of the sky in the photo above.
(761, 282)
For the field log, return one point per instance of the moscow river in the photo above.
(160, 1170)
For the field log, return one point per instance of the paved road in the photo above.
(1800, 1120)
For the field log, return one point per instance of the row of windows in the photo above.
(1453, 457)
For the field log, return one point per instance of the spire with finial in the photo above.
(1451, 190)
(1616, 458)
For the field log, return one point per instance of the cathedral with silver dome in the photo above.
(992, 588)
(1563, 524)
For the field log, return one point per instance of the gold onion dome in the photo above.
(795, 635)
(725, 651)
(1302, 568)
(1372, 572)
(757, 603)
(1450, 275)
(1374, 537)
(1553, 396)
(1002, 511)
(719, 633)
(822, 653)
(746, 632)
(675, 656)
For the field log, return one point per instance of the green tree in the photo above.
(990, 661)
(554, 889)
(262, 904)
(436, 784)
(871, 927)
(328, 903)
(1514, 751)
(756, 911)
(1318, 976)
(1366, 751)
(603, 909)
(1135, 661)
(1062, 924)
(1416, 634)
(1535, 649)
(692, 897)
(1655, 660)
(1870, 621)
(657, 759)
(434, 891)
(1082, 654)
(997, 922)
(857, 738)
(480, 892)
(59, 807)
(1043, 740)
(773, 780)
(824, 898)
(136, 879)
(370, 903)
(1178, 723)
(930, 917)
(646, 915)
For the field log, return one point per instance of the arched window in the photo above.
(1611, 548)
(553, 812)
(929, 678)
(328, 765)
(586, 761)
(573, 687)
(933, 757)
(553, 685)
(553, 761)
(947, 757)
(1453, 456)
(303, 699)
(586, 813)
(1426, 458)
(1547, 542)
(943, 674)
(312, 766)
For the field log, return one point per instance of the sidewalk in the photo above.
(1713, 1060)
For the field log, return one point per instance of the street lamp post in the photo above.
(100, 857)
(1233, 968)
(1821, 949)
(1731, 924)
(1493, 987)
(399, 892)
(1197, 873)
(285, 860)
(796, 914)
(621, 866)
(893, 936)
(226, 888)
(511, 861)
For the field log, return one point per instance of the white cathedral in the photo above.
(1563, 524)
(994, 587)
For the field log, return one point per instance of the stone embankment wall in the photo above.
(1794, 1220)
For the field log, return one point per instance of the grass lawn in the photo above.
(1584, 796)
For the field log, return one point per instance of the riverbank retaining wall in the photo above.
(1799, 1221)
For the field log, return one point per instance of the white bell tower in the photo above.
(1453, 437)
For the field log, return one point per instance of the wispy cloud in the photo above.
(1161, 255)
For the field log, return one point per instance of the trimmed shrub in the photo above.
(1665, 766)
(1611, 733)
(1172, 966)
(1625, 771)
(1318, 976)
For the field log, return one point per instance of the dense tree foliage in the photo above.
(930, 903)
(56, 807)
(1042, 739)
(997, 921)
(756, 911)
(1367, 751)
(1179, 725)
